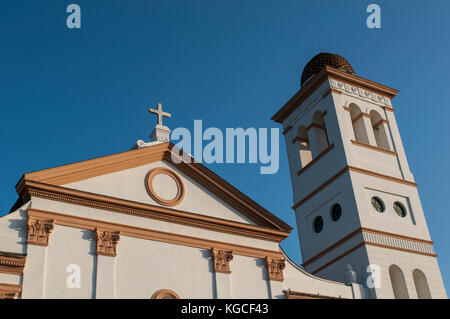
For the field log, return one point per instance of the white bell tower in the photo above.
(355, 199)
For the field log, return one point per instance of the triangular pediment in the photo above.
(125, 177)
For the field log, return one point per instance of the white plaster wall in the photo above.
(129, 184)
(298, 279)
(68, 246)
(13, 231)
(143, 267)
(340, 191)
(249, 278)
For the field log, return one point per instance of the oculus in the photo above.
(336, 212)
(155, 192)
(400, 209)
(378, 204)
(318, 224)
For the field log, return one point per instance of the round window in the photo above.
(318, 224)
(336, 212)
(377, 203)
(400, 209)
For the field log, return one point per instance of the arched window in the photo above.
(421, 283)
(303, 146)
(317, 133)
(165, 294)
(379, 130)
(398, 282)
(359, 127)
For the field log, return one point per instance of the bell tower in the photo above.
(355, 198)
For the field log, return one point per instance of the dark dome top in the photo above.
(316, 64)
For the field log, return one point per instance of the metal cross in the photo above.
(160, 113)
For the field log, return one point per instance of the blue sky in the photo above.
(70, 95)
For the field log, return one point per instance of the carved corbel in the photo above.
(221, 260)
(275, 268)
(107, 242)
(39, 230)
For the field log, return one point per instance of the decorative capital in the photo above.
(39, 230)
(107, 242)
(9, 291)
(221, 260)
(275, 268)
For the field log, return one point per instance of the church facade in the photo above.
(142, 224)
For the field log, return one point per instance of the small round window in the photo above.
(336, 212)
(318, 224)
(400, 209)
(378, 204)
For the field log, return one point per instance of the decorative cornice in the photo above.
(39, 230)
(275, 268)
(10, 291)
(221, 260)
(165, 214)
(107, 242)
(150, 234)
(13, 265)
(340, 81)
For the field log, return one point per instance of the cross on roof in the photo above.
(160, 113)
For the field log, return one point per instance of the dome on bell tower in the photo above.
(317, 63)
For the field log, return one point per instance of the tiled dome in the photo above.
(321, 60)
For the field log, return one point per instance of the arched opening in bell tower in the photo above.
(421, 283)
(398, 282)
(379, 130)
(359, 128)
(303, 146)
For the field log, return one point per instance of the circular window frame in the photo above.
(402, 207)
(381, 202)
(314, 224)
(151, 191)
(162, 293)
(331, 212)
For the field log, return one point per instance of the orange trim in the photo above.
(360, 115)
(315, 159)
(380, 122)
(300, 139)
(379, 232)
(301, 295)
(166, 214)
(379, 149)
(150, 234)
(337, 258)
(326, 73)
(310, 126)
(354, 169)
(165, 294)
(318, 189)
(386, 177)
(12, 265)
(10, 291)
(213, 183)
(347, 109)
(180, 186)
(387, 108)
(287, 129)
(330, 248)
